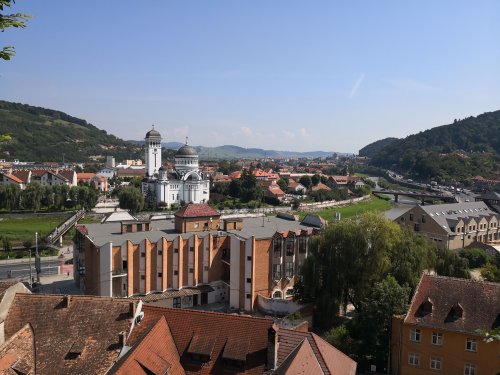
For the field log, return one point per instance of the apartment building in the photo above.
(240, 260)
(439, 334)
(454, 225)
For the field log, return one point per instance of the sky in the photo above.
(281, 74)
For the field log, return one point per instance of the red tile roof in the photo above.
(196, 210)
(156, 352)
(480, 302)
(22, 175)
(85, 177)
(13, 178)
(17, 355)
(302, 360)
(331, 360)
(221, 329)
(81, 338)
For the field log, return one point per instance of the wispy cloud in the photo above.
(247, 132)
(180, 132)
(356, 86)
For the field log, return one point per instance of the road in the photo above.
(22, 270)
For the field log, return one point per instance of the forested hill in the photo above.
(460, 150)
(40, 134)
(375, 147)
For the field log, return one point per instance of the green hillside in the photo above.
(458, 151)
(39, 134)
(375, 147)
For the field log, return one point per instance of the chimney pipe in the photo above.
(122, 339)
(66, 301)
(272, 347)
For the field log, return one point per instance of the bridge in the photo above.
(419, 195)
(58, 233)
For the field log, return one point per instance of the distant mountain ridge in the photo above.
(461, 150)
(237, 152)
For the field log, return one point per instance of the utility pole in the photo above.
(37, 259)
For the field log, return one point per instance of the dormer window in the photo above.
(425, 308)
(201, 347)
(456, 312)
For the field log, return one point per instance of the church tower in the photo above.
(153, 153)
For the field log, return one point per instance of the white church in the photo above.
(185, 183)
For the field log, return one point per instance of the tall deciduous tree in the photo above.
(131, 199)
(17, 20)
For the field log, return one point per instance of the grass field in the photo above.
(20, 228)
(374, 204)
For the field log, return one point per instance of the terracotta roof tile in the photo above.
(331, 360)
(156, 352)
(18, 353)
(221, 328)
(22, 175)
(480, 302)
(13, 178)
(301, 360)
(86, 331)
(196, 210)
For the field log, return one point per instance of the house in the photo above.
(52, 178)
(131, 172)
(295, 187)
(272, 189)
(84, 178)
(70, 175)
(10, 179)
(108, 172)
(439, 334)
(23, 175)
(453, 225)
(491, 198)
(349, 182)
(55, 334)
(99, 182)
(320, 186)
(246, 262)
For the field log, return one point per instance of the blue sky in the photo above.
(285, 75)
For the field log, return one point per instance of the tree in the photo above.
(449, 263)
(316, 179)
(131, 199)
(283, 184)
(32, 196)
(491, 273)
(306, 181)
(16, 20)
(476, 257)
(387, 298)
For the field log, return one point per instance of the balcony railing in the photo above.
(119, 273)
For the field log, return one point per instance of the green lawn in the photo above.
(18, 229)
(373, 204)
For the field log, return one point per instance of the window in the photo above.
(289, 269)
(176, 251)
(302, 244)
(191, 270)
(277, 247)
(414, 359)
(249, 257)
(437, 338)
(160, 274)
(195, 225)
(415, 335)
(469, 369)
(143, 277)
(191, 249)
(176, 273)
(423, 218)
(435, 363)
(249, 280)
(411, 217)
(177, 302)
(276, 271)
(160, 252)
(417, 227)
(471, 345)
(249, 296)
(289, 292)
(205, 268)
(289, 246)
(143, 255)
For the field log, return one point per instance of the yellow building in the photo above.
(439, 335)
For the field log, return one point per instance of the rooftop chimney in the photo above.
(272, 347)
(122, 339)
(66, 301)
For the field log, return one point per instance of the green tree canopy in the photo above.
(16, 20)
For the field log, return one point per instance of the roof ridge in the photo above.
(463, 280)
(204, 312)
(78, 296)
